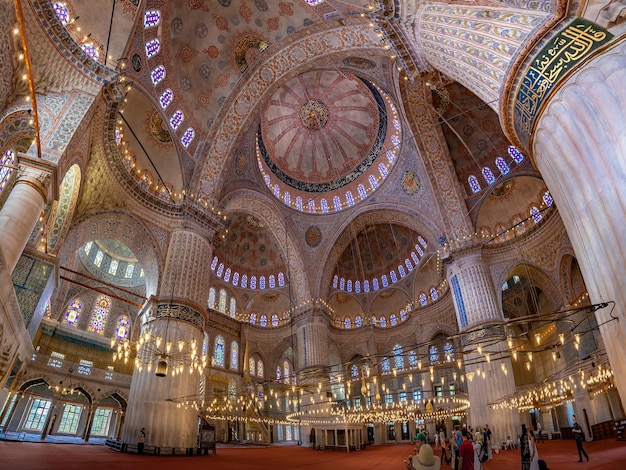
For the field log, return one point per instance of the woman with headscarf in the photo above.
(525, 448)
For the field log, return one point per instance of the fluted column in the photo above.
(476, 303)
(156, 403)
(579, 147)
(22, 209)
(312, 341)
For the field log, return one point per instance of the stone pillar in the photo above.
(22, 209)
(476, 303)
(156, 403)
(312, 341)
(579, 147)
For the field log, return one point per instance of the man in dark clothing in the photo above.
(579, 436)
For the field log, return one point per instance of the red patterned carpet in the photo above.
(560, 455)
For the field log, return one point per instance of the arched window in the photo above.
(402, 314)
(152, 48)
(62, 12)
(272, 281)
(253, 282)
(354, 372)
(244, 280)
(263, 321)
(448, 351)
(342, 283)
(474, 184)
(252, 318)
(408, 264)
(375, 283)
(362, 192)
(218, 351)
(337, 203)
(262, 282)
(91, 50)
(274, 320)
(516, 154)
(236, 279)
(214, 263)
(349, 285)
(423, 301)
(205, 344)
(281, 279)
(349, 199)
(252, 366)
(187, 137)
(122, 327)
(502, 166)
(151, 18)
(157, 74)
(166, 98)
(393, 319)
(279, 374)
(286, 369)
(398, 358)
(413, 359)
(358, 321)
(233, 307)
(416, 260)
(357, 287)
(222, 305)
(373, 181)
(234, 355)
(299, 203)
(220, 270)
(212, 297)
(100, 314)
(433, 294)
(347, 323)
(535, 214)
(383, 322)
(72, 313)
(7, 162)
(260, 369)
(547, 199)
(177, 118)
(232, 389)
(386, 366)
(488, 175)
(433, 354)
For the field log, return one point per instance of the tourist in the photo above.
(479, 443)
(525, 448)
(426, 460)
(487, 439)
(534, 455)
(579, 435)
(141, 439)
(466, 453)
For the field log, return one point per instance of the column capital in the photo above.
(39, 174)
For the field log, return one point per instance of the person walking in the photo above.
(466, 453)
(487, 439)
(579, 435)
(534, 455)
(539, 432)
(524, 446)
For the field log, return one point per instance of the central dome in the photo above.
(320, 136)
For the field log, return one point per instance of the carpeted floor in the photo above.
(560, 455)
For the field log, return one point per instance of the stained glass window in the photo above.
(488, 175)
(547, 199)
(298, 203)
(505, 285)
(252, 366)
(88, 246)
(222, 305)
(279, 374)
(362, 192)
(260, 372)
(253, 282)
(354, 371)
(287, 197)
(212, 297)
(122, 327)
(234, 355)
(262, 282)
(358, 321)
(62, 12)
(398, 358)
(383, 322)
(281, 279)
(113, 267)
(98, 259)
(401, 271)
(324, 205)
(342, 283)
(244, 280)
(357, 286)
(130, 269)
(166, 98)
(311, 204)
(394, 277)
(412, 359)
(314, 2)
(402, 315)
(502, 166)
(535, 214)
(274, 320)
(72, 314)
(474, 184)
(337, 203)
(448, 351)
(272, 281)
(408, 264)
(393, 319)
(91, 50)
(433, 294)
(220, 270)
(349, 199)
(100, 314)
(152, 48)
(366, 286)
(419, 250)
(386, 366)
(227, 275)
(187, 137)
(205, 344)
(433, 354)
(373, 181)
(214, 263)
(157, 74)
(423, 300)
(384, 280)
(236, 279)
(347, 323)
(277, 191)
(416, 260)
(233, 307)
(218, 351)
(232, 389)
(516, 154)
(263, 321)
(252, 318)
(151, 18)
(382, 169)
(177, 118)
(286, 369)
(349, 285)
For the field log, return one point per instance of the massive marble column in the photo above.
(156, 399)
(23, 207)
(579, 147)
(476, 303)
(312, 341)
